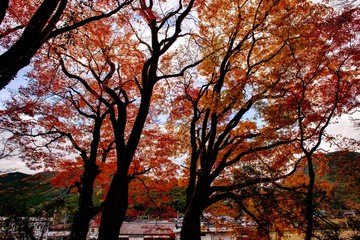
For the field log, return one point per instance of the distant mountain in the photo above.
(29, 195)
(12, 177)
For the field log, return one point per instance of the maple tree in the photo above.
(255, 110)
(58, 109)
(260, 67)
(63, 126)
(222, 144)
(66, 109)
(280, 207)
(26, 26)
(159, 43)
(108, 80)
(322, 87)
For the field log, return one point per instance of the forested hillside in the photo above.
(29, 195)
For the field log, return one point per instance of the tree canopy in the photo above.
(141, 99)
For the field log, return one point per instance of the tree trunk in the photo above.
(114, 210)
(3, 7)
(86, 211)
(116, 202)
(309, 208)
(191, 227)
(80, 226)
(81, 222)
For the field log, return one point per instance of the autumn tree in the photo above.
(69, 116)
(164, 23)
(50, 120)
(110, 71)
(26, 26)
(224, 141)
(281, 207)
(254, 70)
(321, 88)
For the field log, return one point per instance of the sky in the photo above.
(13, 163)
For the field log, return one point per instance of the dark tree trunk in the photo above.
(80, 225)
(86, 210)
(114, 210)
(116, 202)
(3, 7)
(191, 227)
(309, 208)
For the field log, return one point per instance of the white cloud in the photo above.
(14, 164)
(345, 126)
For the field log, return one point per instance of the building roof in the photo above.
(147, 228)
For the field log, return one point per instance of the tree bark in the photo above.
(309, 208)
(4, 4)
(114, 210)
(86, 211)
(116, 202)
(191, 227)
(80, 225)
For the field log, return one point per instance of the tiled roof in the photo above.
(147, 228)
